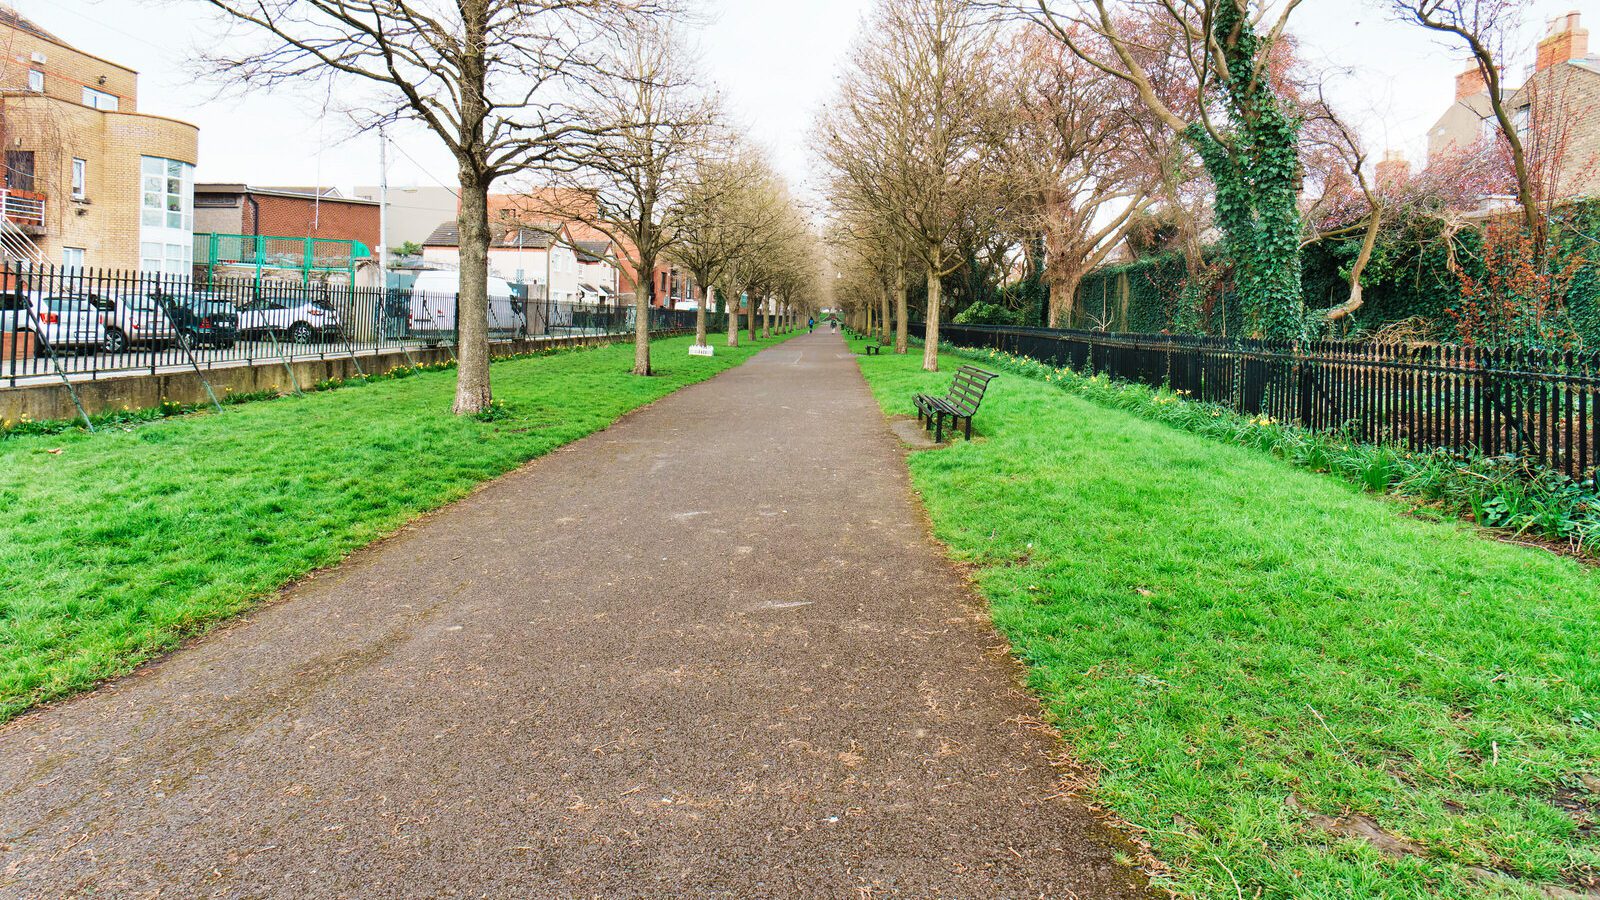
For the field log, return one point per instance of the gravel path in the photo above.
(709, 652)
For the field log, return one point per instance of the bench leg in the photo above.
(938, 430)
(969, 428)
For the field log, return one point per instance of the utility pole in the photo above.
(383, 207)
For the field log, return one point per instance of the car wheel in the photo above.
(300, 333)
(115, 341)
(228, 345)
(186, 340)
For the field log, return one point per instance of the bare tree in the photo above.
(651, 121)
(726, 211)
(1074, 150)
(490, 79)
(914, 132)
(1485, 28)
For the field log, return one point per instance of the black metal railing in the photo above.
(77, 323)
(1536, 404)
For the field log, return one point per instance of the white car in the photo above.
(301, 320)
(65, 321)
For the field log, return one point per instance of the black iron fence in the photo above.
(85, 323)
(1536, 404)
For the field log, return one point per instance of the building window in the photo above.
(36, 81)
(99, 99)
(19, 170)
(166, 216)
(72, 257)
(80, 179)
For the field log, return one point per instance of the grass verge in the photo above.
(1292, 689)
(116, 545)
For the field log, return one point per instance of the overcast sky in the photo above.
(775, 60)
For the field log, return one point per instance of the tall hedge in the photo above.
(1409, 278)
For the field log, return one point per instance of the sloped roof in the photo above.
(448, 234)
(9, 16)
(593, 251)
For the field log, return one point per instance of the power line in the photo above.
(425, 170)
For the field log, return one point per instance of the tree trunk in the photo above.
(473, 394)
(1368, 240)
(930, 346)
(902, 339)
(644, 278)
(1064, 296)
(883, 316)
(700, 316)
(766, 320)
(733, 316)
(752, 320)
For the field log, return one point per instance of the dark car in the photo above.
(202, 321)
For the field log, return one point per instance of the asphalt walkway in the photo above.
(708, 652)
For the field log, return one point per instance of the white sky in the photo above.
(775, 61)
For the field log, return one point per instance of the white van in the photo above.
(433, 308)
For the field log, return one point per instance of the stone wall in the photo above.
(141, 391)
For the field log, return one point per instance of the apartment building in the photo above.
(89, 180)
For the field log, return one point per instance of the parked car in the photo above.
(433, 307)
(13, 312)
(299, 319)
(202, 320)
(134, 321)
(66, 321)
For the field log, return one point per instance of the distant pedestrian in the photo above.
(811, 324)
(833, 325)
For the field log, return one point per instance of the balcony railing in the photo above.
(25, 208)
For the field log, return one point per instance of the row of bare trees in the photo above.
(589, 109)
(1062, 128)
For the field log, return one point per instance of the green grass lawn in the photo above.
(127, 540)
(1216, 632)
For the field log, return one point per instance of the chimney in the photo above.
(1564, 40)
(1470, 83)
(1394, 170)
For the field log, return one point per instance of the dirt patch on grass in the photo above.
(1362, 828)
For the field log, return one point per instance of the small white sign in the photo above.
(707, 350)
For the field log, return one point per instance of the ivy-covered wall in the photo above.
(1409, 280)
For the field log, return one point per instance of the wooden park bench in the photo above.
(960, 403)
(875, 347)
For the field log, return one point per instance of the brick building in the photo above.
(1556, 111)
(89, 180)
(299, 212)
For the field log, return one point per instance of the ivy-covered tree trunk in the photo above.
(1256, 170)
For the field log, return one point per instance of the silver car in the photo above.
(134, 321)
(65, 321)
